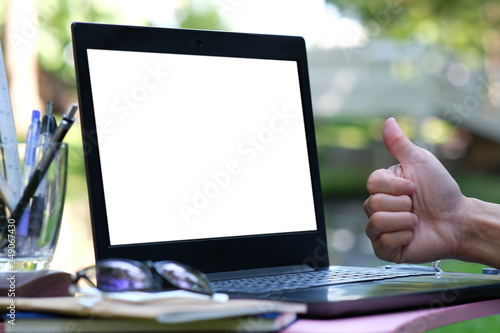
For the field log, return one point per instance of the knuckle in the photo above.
(371, 232)
(409, 199)
(376, 203)
(374, 181)
(377, 221)
(408, 202)
(366, 208)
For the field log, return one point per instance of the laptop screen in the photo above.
(198, 146)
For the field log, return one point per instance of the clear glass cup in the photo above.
(30, 242)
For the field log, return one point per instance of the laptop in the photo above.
(199, 147)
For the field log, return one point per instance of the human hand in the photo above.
(415, 210)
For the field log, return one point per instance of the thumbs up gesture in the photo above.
(416, 210)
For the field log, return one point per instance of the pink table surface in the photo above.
(402, 322)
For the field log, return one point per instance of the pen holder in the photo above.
(28, 242)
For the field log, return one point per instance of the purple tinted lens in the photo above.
(121, 276)
(184, 277)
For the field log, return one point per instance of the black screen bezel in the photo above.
(209, 255)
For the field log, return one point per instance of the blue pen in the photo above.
(47, 129)
(31, 145)
(29, 165)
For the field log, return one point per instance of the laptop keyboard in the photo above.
(270, 283)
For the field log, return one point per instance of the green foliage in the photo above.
(54, 33)
(55, 17)
(488, 324)
(482, 186)
(449, 265)
(200, 14)
(341, 183)
(463, 25)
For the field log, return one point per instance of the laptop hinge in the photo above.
(259, 272)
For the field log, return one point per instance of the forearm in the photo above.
(480, 236)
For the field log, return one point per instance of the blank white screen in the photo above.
(195, 147)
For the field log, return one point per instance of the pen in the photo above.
(43, 165)
(47, 129)
(29, 162)
(3, 215)
(31, 145)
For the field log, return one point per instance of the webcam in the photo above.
(198, 43)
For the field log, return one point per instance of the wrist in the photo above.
(480, 233)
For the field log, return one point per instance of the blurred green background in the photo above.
(432, 64)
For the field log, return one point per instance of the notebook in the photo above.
(199, 147)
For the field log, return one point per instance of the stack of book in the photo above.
(146, 312)
(47, 323)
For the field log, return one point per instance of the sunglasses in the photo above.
(115, 275)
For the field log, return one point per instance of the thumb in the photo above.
(397, 142)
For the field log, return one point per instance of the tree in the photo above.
(468, 26)
(200, 14)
